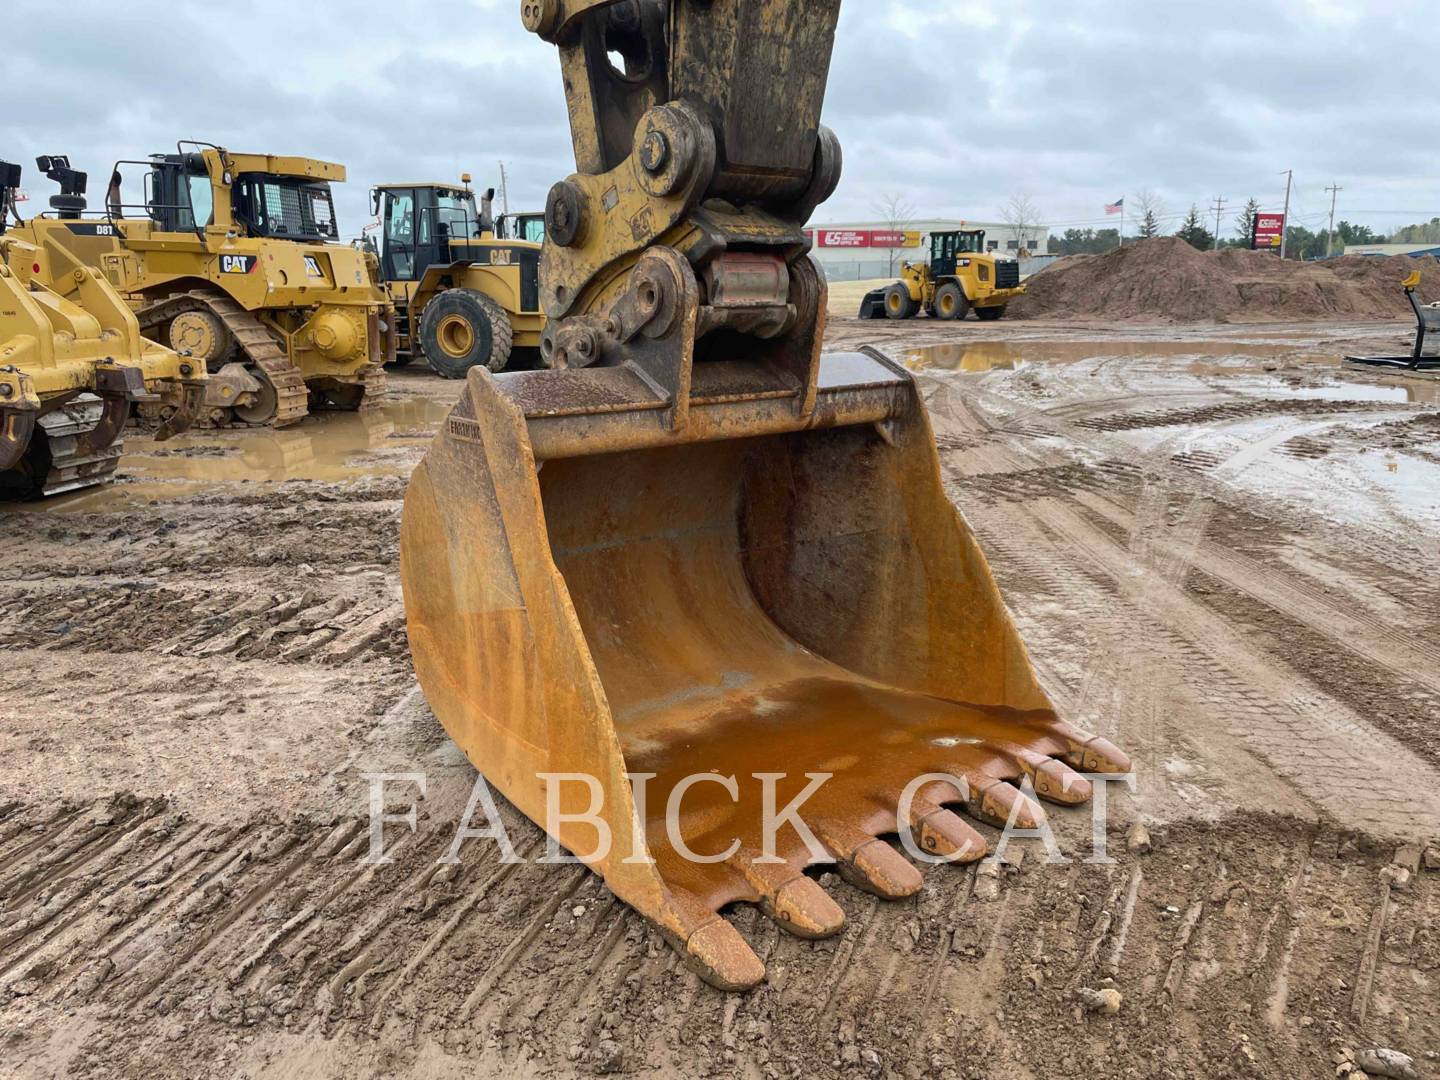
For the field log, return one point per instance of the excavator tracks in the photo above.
(258, 344)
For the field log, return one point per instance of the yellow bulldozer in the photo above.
(960, 277)
(695, 589)
(235, 259)
(462, 295)
(72, 365)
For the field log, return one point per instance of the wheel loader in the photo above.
(696, 589)
(72, 364)
(234, 259)
(961, 276)
(462, 296)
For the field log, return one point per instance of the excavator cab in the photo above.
(696, 567)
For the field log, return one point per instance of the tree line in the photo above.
(1300, 242)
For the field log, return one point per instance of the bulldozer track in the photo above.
(374, 386)
(254, 340)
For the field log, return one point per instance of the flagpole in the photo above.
(1122, 222)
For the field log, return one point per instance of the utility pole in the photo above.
(1334, 190)
(1219, 208)
(504, 192)
(1285, 219)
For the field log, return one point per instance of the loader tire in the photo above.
(898, 304)
(461, 329)
(990, 314)
(951, 303)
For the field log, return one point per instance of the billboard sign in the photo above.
(1267, 231)
(844, 238)
(866, 238)
(885, 239)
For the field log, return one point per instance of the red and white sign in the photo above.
(845, 238)
(21, 195)
(865, 238)
(1268, 231)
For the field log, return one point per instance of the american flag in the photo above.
(1116, 207)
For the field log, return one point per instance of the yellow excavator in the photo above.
(234, 259)
(462, 294)
(72, 365)
(696, 588)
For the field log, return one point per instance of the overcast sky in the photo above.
(959, 104)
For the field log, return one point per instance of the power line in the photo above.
(1219, 209)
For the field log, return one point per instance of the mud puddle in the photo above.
(330, 447)
(981, 356)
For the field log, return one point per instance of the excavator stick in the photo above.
(697, 571)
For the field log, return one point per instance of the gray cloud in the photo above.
(959, 104)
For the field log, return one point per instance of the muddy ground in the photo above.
(1218, 543)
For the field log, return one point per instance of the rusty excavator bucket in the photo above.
(696, 560)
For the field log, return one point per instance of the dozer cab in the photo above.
(961, 276)
(1425, 354)
(696, 568)
(235, 259)
(462, 296)
(72, 364)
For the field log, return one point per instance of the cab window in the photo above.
(400, 233)
(202, 200)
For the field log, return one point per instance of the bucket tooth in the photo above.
(1000, 803)
(796, 903)
(870, 863)
(721, 957)
(943, 834)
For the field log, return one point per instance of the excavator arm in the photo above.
(695, 561)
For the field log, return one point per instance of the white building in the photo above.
(861, 250)
(1393, 249)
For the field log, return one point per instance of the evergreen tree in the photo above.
(1245, 222)
(1149, 226)
(1193, 231)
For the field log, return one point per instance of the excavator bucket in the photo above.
(694, 598)
(761, 597)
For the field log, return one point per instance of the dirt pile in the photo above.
(1167, 280)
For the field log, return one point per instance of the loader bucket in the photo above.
(873, 306)
(756, 596)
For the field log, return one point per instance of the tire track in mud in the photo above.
(247, 624)
(471, 962)
(1064, 498)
